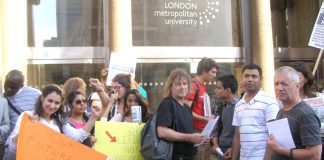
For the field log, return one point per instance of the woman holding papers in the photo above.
(173, 110)
(49, 109)
(133, 98)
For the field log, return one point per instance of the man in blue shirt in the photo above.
(20, 98)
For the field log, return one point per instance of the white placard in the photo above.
(317, 38)
(280, 130)
(121, 63)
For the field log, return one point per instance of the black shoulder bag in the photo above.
(13, 107)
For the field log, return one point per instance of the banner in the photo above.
(39, 142)
(119, 140)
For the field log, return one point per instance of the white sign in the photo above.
(317, 37)
(280, 130)
(121, 63)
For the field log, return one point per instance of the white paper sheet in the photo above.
(207, 109)
(208, 130)
(280, 130)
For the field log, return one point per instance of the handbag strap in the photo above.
(13, 107)
(174, 125)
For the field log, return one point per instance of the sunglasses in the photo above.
(80, 101)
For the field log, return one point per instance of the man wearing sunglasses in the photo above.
(20, 98)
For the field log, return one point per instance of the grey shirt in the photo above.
(224, 129)
(304, 127)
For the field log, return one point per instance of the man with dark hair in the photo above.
(251, 114)
(206, 72)
(223, 132)
(20, 98)
(303, 122)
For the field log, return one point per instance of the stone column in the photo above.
(3, 35)
(262, 42)
(120, 25)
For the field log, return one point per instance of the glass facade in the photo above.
(73, 23)
(76, 32)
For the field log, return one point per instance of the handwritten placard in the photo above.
(37, 141)
(121, 63)
(119, 140)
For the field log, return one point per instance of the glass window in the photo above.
(43, 74)
(185, 23)
(54, 23)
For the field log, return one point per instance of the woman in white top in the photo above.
(49, 109)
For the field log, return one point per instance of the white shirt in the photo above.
(251, 118)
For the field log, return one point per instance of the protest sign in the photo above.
(37, 141)
(317, 36)
(120, 63)
(119, 140)
(317, 104)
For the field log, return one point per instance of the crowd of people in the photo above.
(240, 132)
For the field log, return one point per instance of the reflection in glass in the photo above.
(66, 23)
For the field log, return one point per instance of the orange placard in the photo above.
(37, 141)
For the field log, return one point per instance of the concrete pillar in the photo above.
(262, 42)
(120, 25)
(14, 49)
(3, 35)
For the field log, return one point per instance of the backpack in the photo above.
(152, 147)
(195, 100)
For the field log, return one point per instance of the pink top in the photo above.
(76, 124)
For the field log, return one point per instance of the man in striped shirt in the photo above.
(251, 114)
(303, 122)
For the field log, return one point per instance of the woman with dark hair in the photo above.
(307, 81)
(77, 117)
(133, 98)
(121, 83)
(49, 109)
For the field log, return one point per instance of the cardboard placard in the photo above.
(37, 141)
(119, 140)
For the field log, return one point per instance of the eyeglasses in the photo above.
(116, 87)
(80, 101)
